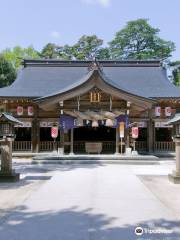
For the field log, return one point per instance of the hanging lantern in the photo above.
(168, 111)
(121, 129)
(109, 123)
(19, 110)
(30, 111)
(135, 132)
(157, 111)
(95, 123)
(54, 132)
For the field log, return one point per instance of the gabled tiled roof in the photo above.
(45, 77)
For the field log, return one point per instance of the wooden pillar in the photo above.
(72, 141)
(117, 140)
(35, 135)
(150, 134)
(61, 150)
(35, 131)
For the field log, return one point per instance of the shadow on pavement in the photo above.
(75, 224)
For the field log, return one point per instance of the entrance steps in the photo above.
(93, 158)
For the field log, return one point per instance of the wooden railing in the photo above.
(79, 146)
(47, 146)
(164, 146)
(141, 146)
(22, 146)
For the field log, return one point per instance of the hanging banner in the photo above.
(157, 111)
(19, 110)
(122, 118)
(121, 129)
(30, 111)
(67, 122)
(54, 132)
(168, 111)
(135, 132)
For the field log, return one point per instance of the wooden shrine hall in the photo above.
(92, 106)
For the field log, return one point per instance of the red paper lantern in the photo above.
(135, 132)
(157, 111)
(30, 111)
(19, 110)
(54, 132)
(168, 111)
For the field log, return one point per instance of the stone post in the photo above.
(6, 173)
(175, 176)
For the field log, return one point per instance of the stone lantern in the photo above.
(175, 175)
(7, 136)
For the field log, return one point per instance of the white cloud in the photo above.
(103, 3)
(55, 34)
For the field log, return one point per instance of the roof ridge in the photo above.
(68, 63)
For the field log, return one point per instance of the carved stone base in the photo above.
(174, 177)
(9, 177)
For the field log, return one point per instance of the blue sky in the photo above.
(37, 22)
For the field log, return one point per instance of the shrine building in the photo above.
(96, 106)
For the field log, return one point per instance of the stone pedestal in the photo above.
(175, 176)
(6, 173)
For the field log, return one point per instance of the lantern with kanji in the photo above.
(157, 111)
(121, 129)
(19, 110)
(135, 132)
(168, 111)
(54, 132)
(30, 111)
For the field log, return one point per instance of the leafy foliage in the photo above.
(175, 72)
(138, 40)
(7, 72)
(15, 55)
(86, 47)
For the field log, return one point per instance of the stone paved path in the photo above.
(89, 202)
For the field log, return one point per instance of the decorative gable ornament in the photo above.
(157, 111)
(30, 111)
(168, 111)
(19, 110)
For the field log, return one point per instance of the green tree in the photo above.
(139, 40)
(64, 52)
(175, 68)
(7, 72)
(86, 47)
(103, 54)
(16, 54)
(50, 51)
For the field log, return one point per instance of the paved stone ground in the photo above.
(90, 202)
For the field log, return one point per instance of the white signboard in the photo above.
(47, 124)
(162, 125)
(25, 125)
(142, 124)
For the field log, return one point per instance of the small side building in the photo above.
(93, 94)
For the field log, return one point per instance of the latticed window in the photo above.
(95, 96)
